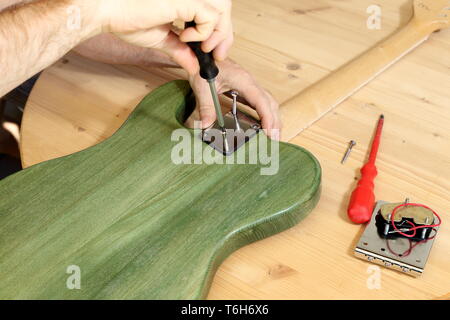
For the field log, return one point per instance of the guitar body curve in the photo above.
(131, 224)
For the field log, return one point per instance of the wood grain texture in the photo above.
(288, 45)
(138, 225)
(324, 95)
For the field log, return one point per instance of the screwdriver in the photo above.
(209, 72)
(362, 199)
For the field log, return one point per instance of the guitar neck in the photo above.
(305, 108)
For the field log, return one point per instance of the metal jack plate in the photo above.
(372, 247)
(235, 139)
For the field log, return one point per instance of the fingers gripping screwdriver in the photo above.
(209, 72)
(362, 199)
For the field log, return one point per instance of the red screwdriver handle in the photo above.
(362, 199)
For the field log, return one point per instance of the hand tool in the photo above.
(362, 199)
(349, 149)
(209, 72)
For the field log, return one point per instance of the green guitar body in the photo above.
(120, 220)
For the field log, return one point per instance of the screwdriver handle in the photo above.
(208, 68)
(362, 199)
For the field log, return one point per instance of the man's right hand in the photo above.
(147, 23)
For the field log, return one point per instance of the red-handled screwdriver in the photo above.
(363, 198)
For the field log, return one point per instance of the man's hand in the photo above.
(55, 27)
(145, 23)
(233, 77)
(148, 24)
(108, 48)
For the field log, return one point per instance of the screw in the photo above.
(349, 149)
(225, 141)
(235, 94)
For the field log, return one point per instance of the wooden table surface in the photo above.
(288, 45)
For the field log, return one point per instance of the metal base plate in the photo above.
(234, 138)
(381, 251)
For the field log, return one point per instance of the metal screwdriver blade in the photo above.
(212, 87)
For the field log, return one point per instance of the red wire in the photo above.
(411, 246)
(414, 227)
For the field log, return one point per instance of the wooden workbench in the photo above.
(288, 45)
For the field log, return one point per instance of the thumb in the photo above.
(203, 113)
(205, 104)
(207, 114)
(204, 109)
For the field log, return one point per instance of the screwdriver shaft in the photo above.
(363, 197)
(212, 87)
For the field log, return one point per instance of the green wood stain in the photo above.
(137, 225)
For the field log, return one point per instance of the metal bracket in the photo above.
(235, 138)
(372, 247)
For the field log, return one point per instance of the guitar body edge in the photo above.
(135, 223)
